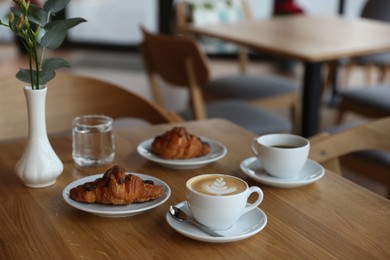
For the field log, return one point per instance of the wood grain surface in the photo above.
(331, 218)
(306, 38)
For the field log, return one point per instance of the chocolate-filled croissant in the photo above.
(115, 187)
(179, 144)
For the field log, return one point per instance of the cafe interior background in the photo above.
(106, 48)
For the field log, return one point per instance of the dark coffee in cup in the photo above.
(282, 146)
(281, 155)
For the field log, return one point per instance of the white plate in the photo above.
(113, 211)
(217, 152)
(311, 172)
(248, 225)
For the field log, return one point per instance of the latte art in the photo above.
(217, 201)
(218, 185)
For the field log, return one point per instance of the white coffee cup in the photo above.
(281, 155)
(218, 201)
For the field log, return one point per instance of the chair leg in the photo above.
(197, 103)
(347, 73)
(369, 71)
(295, 114)
(243, 60)
(340, 116)
(382, 73)
(331, 74)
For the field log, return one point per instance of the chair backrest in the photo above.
(327, 148)
(69, 96)
(377, 10)
(179, 61)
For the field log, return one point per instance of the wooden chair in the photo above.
(269, 91)
(370, 102)
(69, 96)
(179, 61)
(376, 10)
(361, 149)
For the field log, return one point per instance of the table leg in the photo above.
(341, 7)
(311, 97)
(335, 91)
(333, 74)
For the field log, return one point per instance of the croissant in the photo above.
(179, 144)
(115, 187)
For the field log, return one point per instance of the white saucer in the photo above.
(311, 172)
(217, 152)
(248, 225)
(111, 210)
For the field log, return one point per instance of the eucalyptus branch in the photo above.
(30, 65)
(37, 65)
(43, 48)
(32, 24)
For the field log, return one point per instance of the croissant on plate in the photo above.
(179, 144)
(115, 187)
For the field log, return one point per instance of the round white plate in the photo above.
(311, 172)
(248, 225)
(217, 152)
(113, 211)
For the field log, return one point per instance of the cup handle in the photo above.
(252, 146)
(257, 202)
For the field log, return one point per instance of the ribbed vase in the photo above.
(39, 165)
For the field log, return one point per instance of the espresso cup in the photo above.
(218, 201)
(92, 140)
(281, 155)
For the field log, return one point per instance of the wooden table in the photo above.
(310, 39)
(332, 218)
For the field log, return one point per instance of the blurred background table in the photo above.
(312, 40)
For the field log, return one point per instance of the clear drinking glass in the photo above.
(92, 140)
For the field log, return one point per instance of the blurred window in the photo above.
(5, 35)
(113, 22)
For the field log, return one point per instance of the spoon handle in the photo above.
(204, 228)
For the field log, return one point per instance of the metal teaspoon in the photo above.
(181, 216)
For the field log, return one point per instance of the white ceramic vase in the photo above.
(39, 165)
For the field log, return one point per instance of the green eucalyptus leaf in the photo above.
(41, 33)
(16, 11)
(53, 38)
(37, 15)
(65, 24)
(56, 32)
(54, 6)
(54, 63)
(23, 75)
(45, 76)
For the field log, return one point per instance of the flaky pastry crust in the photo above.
(179, 144)
(117, 188)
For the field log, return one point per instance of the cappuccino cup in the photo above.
(218, 201)
(281, 155)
